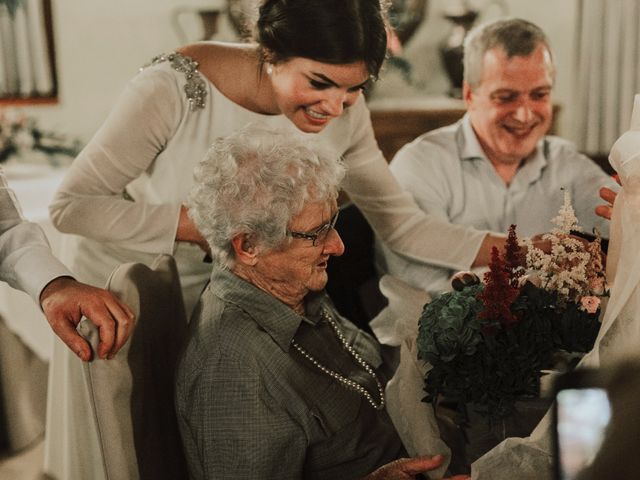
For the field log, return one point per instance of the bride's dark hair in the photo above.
(329, 31)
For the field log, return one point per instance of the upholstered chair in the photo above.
(131, 395)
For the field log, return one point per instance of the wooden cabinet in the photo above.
(397, 121)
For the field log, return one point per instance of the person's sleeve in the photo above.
(239, 429)
(421, 169)
(393, 213)
(589, 178)
(26, 261)
(90, 200)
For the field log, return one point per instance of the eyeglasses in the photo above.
(319, 235)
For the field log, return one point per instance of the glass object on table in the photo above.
(197, 22)
(406, 16)
(463, 15)
(451, 48)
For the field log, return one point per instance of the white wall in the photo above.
(101, 44)
(558, 19)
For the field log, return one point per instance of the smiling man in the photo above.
(497, 166)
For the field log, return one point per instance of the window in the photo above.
(27, 55)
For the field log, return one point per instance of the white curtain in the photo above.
(607, 74)
(25, 69)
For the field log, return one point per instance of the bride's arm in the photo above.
(395, 216)
(90, 200)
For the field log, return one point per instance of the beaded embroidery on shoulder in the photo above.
(195, 88)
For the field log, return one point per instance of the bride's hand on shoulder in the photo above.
(188, 232)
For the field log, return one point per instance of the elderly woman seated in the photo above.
(273, 383)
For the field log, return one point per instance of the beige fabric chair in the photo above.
(131, 396)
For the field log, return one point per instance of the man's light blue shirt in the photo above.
(449, 175)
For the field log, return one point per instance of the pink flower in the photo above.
(590, 303)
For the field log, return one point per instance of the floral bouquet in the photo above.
(20, 135)
(487, 342)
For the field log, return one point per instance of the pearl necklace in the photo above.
(345, 381)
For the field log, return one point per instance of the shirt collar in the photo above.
(469, 148)
(468, 145)
(276, 318)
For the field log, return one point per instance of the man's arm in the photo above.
(26, 263)
(65, 301)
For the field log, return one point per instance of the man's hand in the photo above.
(408, 468)
(64, 302)
(608, 196)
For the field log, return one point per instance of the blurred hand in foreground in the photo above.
(408, 468)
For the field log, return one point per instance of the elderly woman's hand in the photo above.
(408, 468)
(188, 232)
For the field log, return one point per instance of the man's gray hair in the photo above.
(515, 36)
(254, 182)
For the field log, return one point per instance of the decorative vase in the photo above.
(185, 20)
(451, 48)
(479, 434)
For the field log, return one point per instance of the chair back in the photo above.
(131, 395)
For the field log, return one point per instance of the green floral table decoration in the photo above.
(487, 343)
(20, 137)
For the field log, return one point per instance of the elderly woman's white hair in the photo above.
(255, 181)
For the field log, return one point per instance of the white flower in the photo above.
(23, 140)
(20, 134)
(569, 267)
(566, 219)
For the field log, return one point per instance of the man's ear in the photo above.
(467, 93)
(245, 249)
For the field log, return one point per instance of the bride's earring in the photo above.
(269, 69)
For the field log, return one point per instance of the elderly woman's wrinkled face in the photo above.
(300, 267)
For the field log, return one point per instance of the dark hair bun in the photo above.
(331, 31)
